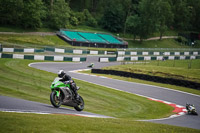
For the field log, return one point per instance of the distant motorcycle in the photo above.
(191, 109)
(63, 95)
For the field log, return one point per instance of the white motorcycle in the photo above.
(191, 109)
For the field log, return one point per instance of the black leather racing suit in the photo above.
(72, 83)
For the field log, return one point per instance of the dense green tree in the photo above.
(113, 18)
(133, 25)
(127, 7)
(89, 19)
(59, 14)
(82, 18)
(24, 13)
(147, 18)
(194, 9)
(143, 23)
(33, 12)
(163, 16)
(153, 15)
(114, 15)
(11, 12)
(182, 15)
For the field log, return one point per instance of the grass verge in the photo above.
(33, 40)
(14, 122)
(164, 43)
(178, 69)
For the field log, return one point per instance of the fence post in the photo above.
(190, 64)
(174, 63)
(158, 63)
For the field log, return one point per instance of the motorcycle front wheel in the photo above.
(55, 101)
(80, 105)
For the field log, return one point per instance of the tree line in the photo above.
(138, 17)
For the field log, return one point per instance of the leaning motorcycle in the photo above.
(62, 94)
(191, 109)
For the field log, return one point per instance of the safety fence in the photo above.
(56, 50)
(172, 81)
(146, 58)
(186, 52)
(157, 53)
(42, 57)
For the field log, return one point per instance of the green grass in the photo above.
(23, 123)
(167, 33)
(178, 69)
(164, 43)
(19, 80)
(21, 30)
(33, 40)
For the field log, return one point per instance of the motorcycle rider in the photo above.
(188, 106)
(65, 77)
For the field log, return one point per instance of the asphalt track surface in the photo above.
(9, 104)
(177, 97)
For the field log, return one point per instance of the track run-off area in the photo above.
(174, 98)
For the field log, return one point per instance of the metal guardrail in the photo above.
(119, 52)
(159, 49)
(42, 57)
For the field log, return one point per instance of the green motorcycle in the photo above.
(62, 94)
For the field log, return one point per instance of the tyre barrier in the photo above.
(42, 57)
(172, 81)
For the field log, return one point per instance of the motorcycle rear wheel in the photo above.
(55, 101)
(195, 113)
(81, 104)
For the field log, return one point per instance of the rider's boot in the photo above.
(75, 89)
(76, 96)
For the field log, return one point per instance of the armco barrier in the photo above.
(25, 50)
(146, 58)
(187, 52)
(178, 82)
(56, 50)
(42, 57)
(157, 52)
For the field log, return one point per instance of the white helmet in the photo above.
(61, 73)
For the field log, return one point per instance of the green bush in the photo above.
(182, 40)
(89, 19)
(81, 17)
(197, 43)
(74, 21)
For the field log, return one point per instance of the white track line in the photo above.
(38, 112)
